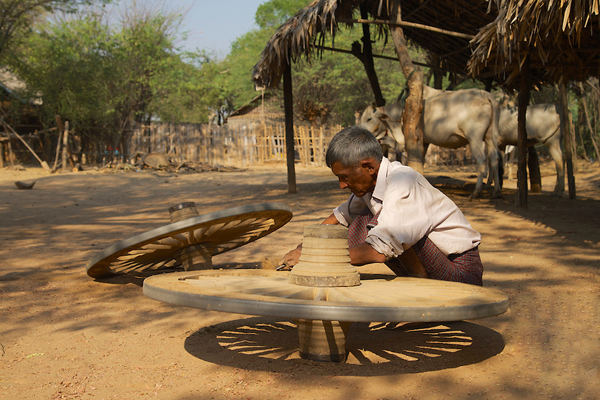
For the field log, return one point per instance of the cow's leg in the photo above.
(490, 173)
(492, 157)
(510, 160)
(480, 158)
(495, 169)
(557, 155)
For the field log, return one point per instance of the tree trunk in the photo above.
(565, 126)
(535, 177)
(288, 104)
(414, 102)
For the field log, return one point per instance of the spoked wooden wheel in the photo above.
(190, 243)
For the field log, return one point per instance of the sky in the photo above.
(214, 25)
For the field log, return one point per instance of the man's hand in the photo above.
(293, 257)
(290, 259)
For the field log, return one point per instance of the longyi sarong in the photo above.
(464, 267)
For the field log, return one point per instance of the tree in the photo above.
(103, 76)
(16, 16)
(188, 90)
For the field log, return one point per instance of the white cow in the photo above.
(543, 126)
(450, 119)
(386, 130)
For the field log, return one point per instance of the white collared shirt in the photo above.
(410, 209)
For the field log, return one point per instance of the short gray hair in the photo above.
(352, 145)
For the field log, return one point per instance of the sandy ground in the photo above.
(64, 335)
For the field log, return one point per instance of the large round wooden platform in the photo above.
(268, 293)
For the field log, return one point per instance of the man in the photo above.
(395, 216)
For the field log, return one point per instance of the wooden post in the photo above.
(289, 126)
(533, 163)
(414, 103)
(11, 155)
(521, 198)
(1, 153)
(565, 126)
(65, 143)
(60, 126)
(321, 148)
(366, 57)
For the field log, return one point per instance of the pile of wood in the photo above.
(161, 162)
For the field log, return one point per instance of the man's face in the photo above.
(360, 180)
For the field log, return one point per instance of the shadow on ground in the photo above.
(374, 348)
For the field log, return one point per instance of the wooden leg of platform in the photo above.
(195, 257)
(323, 340)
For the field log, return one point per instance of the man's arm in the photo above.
(359, 255)
(365, 254)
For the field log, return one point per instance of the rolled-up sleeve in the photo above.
(349, 210)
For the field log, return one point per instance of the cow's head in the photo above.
(372, 119)
(386, 130)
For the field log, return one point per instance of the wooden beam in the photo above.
(408, 25)
(420, 64)
(366, 57)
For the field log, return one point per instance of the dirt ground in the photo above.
(64, 335)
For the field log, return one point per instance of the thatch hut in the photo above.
(444, 27)
(536, 42)
(491, 40)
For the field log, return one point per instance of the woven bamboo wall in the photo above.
(240, 145)
(231, 145)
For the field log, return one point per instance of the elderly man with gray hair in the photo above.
(395, 216)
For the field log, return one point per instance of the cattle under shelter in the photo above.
(461, 36)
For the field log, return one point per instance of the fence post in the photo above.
(64, 147)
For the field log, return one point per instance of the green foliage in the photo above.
(17, 16)
(185, 91)
(65, 64)
(275, 12)
(102, 77)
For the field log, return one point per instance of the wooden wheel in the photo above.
(268, 293)
(193, 241)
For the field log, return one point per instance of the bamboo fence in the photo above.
(237, 145)
(232, 145)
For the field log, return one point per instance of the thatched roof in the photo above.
(320, 21)
(561, 37)
(11, 84)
